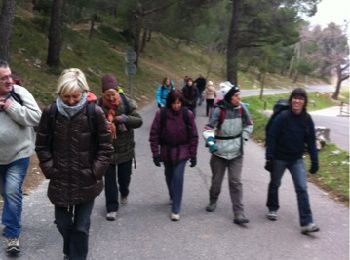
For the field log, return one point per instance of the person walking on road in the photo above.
(174, 140)
(190, 94)
(163, 91)
(74, 152)
(123, 118)
(285, 144)
(229, 127)
(200, 83)
(210, 96)
(19, 113)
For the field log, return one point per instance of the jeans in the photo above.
(74, 224)
(218, 166)
(12, 177)
(111, 187)
(297, 169)
(174, 176)
(210, 106)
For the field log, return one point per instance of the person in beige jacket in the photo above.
(210, 96)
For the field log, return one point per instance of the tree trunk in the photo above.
(55, 34)
(149, 35)
(144, 38)
(7, 18)
(232, 45)
(340, 79)
(262, 85)
(92, 27)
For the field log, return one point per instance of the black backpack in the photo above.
(163, 118)
(280, 105)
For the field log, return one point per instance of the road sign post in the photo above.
(130, 68)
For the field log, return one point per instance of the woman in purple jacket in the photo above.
(174, 140)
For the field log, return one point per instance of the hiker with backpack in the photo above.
(163, 92)
(123, 118)
(286, 136)
(174, 140)
(229, 127)
(74, 148)
(19, 113)
(190, 95)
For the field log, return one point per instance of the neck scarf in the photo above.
(112, 107)
(70, 111)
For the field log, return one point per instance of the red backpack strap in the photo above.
(221, 117)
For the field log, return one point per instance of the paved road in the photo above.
(143, 229)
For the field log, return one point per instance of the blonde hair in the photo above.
(72, 80)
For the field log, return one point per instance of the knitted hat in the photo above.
(231, 92)
(108, 81)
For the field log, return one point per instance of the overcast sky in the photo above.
(331, 11)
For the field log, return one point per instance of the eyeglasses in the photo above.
(5, 78)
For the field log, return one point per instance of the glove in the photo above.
(156, 161)
(213, 148)
(121, 119)
(314, 168)
(269, 165)
(211, 144)
(193, 161)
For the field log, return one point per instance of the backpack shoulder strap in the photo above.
(91, 114)
(221, 117)
(16, 96)
(126, 103)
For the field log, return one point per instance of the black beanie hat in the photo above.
(230, 93)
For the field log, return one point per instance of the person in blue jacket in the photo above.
(287, 136)
(163, 91)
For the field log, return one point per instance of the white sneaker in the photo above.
(12, 246)
(174, 217)
(311, 227)
(124, 200)
(111, 216)
(272, 215)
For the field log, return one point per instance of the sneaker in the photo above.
(111, 216)
(124, 200)
(211, 207)
(312, 227)
(272, 215)
(12, 246)
(174, 217)
(240, 219)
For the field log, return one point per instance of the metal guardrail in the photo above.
(344, 109)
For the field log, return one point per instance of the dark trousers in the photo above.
(74, 223)
(210, 105)
(299, 176)
(111, 187)
(174, 176)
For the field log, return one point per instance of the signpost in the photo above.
(130, 68)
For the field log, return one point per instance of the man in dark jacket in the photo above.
(190, 94)
(286, 139)
(200, 83)
(123, 119)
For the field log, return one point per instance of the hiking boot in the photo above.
(211, 207)
(111, 216)
(13, 246)
(240, 219)
(311, 227)
(272, 215)
(174, 217)
(124, 200)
